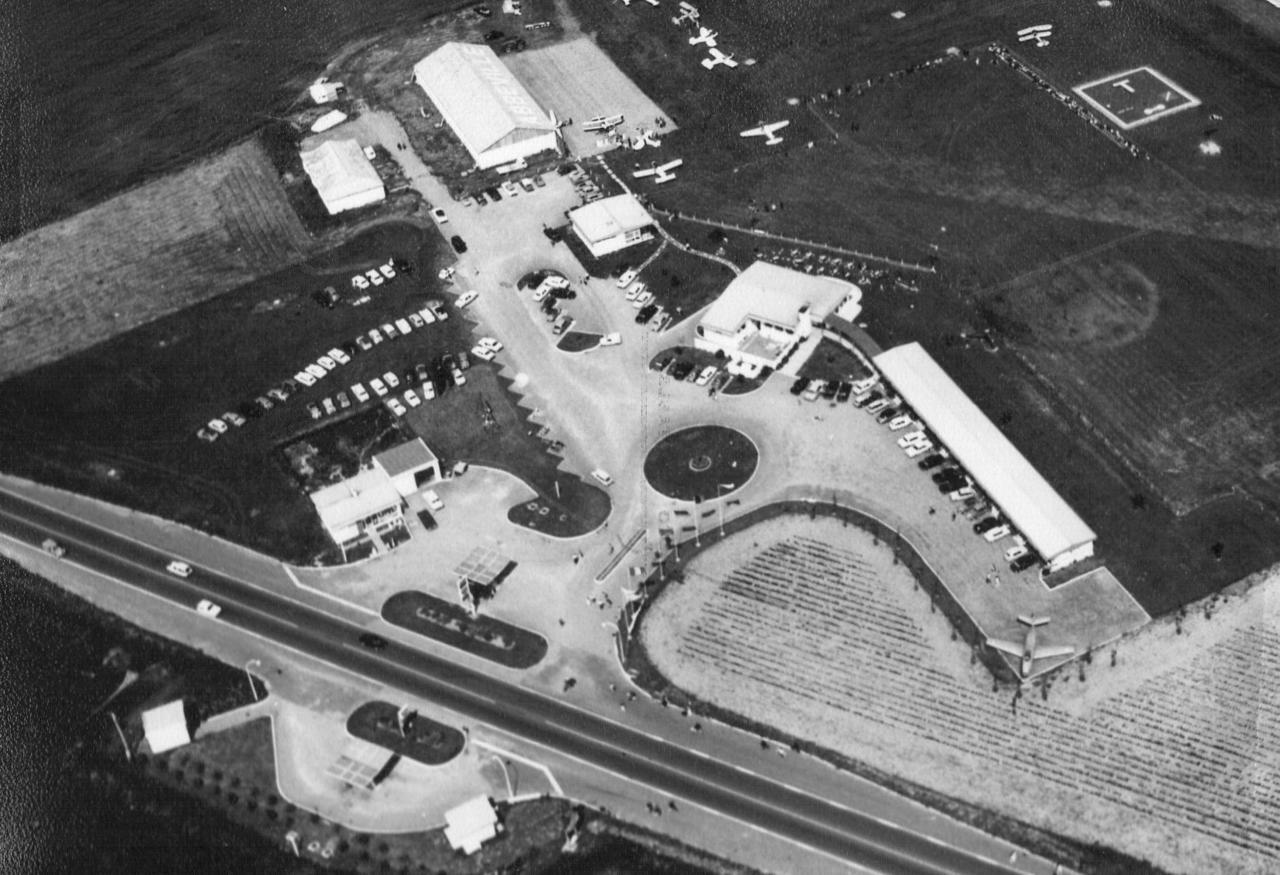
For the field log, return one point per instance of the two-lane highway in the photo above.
(842, 832)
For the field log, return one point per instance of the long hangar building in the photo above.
(494, 116)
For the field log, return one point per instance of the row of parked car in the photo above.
(948, 475)
(648, 311)
(508, 188)
(685, 371)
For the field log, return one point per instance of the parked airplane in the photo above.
(1028, 649)
(688, 12)
(1038, 32)
(706, 37)
(718, 57)
(602, 123)
(660, 172)
(766, 131)
(650, 138)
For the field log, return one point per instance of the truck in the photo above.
(53, 548)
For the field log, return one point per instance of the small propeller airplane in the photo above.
(1029, 650)
(706, 37)
(767, 131)
(602, 123)
(688, 12)
(718, 57)
(660, 172)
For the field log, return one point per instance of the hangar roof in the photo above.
(775, 295)
(339, 170)
(610, 216)
(479, 97)
(1025, 497)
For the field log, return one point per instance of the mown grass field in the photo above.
(1150, 417)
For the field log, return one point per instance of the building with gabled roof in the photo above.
(349, 509)
(611, 223)
(489, 110)
(409, 465)
(343, 176)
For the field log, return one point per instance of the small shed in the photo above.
(410, 466)
(166, 727)
(323, 91)
(330, 119)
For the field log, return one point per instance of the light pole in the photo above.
(720, 487)
(252, 686)
(128, 754)
(511, 793)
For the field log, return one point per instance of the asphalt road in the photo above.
(665, 767)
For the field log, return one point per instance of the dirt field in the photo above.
(143, 254)
(577, 81)
(810, 627)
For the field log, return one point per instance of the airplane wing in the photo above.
(670, 165)
(648, 171)
(1006, 646)
(1049, 652)
(776, 126)
(754, 132)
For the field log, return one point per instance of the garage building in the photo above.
(343, 176)
(1025, 498)
(494, 116)
(611, 223)
(409, 465)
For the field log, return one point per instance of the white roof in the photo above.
(468, 825)
(340, 171)
(995, 464)
(166, 727)
(343, 504)
(479, 97)
(775, 295)
(609, 217)
(330, 119)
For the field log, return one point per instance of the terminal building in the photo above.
(611, 223)
(358, 507)
(765, 313)
(1025, 498)
(494, 116)
(343, 176)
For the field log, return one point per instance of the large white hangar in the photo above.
(1023, 496)
(493, 115)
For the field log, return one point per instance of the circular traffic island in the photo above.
(701, 463)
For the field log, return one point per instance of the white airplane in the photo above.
(1038, 32)
(706, 37)
(1028, 649)
(652, 2)
(718, 57)
(602, 123)
(650, 138)
(766, 131)
(660, 172)
(688, 12)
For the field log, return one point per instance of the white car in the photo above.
(705, 377)
(206, 608)
(466, 298)
(627, 278)
(329, 407)
(483, 353)
(877, 406)
(327, 363)
(391, 379)
(316, 371)
(304, 378)
(642, 300)
(962, 493)
(370, 153)
(919, 449)
(378, 387)
(396, 407)
(898, 423)
(180, 569)
(428, 390)
(612, 339)
(389, 331)
(635, 291)
(866, 384)
(997, 533)
(411, 398)
(540, 293)
(427, 316)
(218, 425)
(376, 336)
(439, 215)
(490, 343)
(387, 270)
(403, 326)
(415, 320)
(361, 393)
(339, 356)
(432, 499)
(438, 308)
(374, 276)
(1017, 551)
(910, 438)
(603, 476)
(233, 418)
(358, 281)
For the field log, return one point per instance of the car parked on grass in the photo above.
(233, 418)
(327, 363)
(361, 393)
(339, 356)
(427, 316)
(379, 387)
(416, 320)
(387, 270)
(364, 342)
(437, 307)
(344, 401)
(374, 276)
(329, 407)
(389, 331)
(206, 608)
(278, 394)
(394, 405)
(359, 282)
(421, 374)
(206, 435)
(263, 402)
(483, 353)
(316, 371)
(646, 313)
(411, 398)
(466, 298)
(218, 425)
(305, 378)
(391, 379)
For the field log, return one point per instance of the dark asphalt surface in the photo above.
(662, 766)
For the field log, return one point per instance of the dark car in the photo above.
(326, 297)
(799, 385)
(464, 361)
(494, 194)
(493, 35)
(681, 370)
(646, 313)
(947, 475)
(351, 348)
(373, 642)
(1023, 562)
(888, 413)
(829, 390)
(428, 521)
(514, 44)
(843, 393)
(564, 294)
(985, 524)
(931, 461)
(661, 363)
(459, 245)
(421, 374)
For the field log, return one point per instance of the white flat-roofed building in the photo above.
(471, 824)
(323, 91)
(165, 727)
(611, 223)
(343, 175)
(768, 310)
(1024, 497)
(494, 116)
(409, 465)
(367, 501)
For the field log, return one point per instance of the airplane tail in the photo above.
(1032, 620)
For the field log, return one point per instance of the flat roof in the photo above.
(166, 727)
(609, 217)
(339, 169)
(483, 102)
(470, 824)
(355, 498)
(775, 295)
(1025, 497)
(410, 456)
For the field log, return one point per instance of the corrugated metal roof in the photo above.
(479, 97)
(609, 217)
(1025, 497)
(339, 170)
(775, 295)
